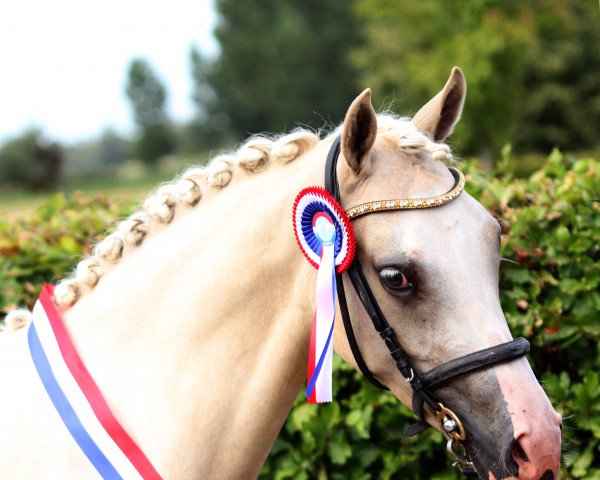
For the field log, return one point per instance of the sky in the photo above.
(63, 63)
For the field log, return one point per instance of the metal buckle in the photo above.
(412, 376)
(455, 433)
(451, 425)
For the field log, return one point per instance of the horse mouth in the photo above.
(492, 458)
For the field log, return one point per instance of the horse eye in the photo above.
(394, 280)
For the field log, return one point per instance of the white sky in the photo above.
(63, 63)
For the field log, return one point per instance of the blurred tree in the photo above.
(209, 128)
(562, 78)
(31, 161)
(96, 156)
(148, 98)
(528, 65)
(280, 62)
(112, 147)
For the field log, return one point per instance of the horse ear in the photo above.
(438, 116)
(360, 130)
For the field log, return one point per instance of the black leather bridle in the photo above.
(423, 384)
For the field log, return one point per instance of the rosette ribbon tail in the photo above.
(325, 237)
(320, 358)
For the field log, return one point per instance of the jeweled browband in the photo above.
(411, 203)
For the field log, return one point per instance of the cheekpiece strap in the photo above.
(332, 186)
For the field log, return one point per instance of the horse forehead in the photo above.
(397, 174)
(459, 226)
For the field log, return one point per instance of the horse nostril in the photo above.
(519, 454)
(548, 475)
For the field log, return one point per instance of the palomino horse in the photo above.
(194, 316)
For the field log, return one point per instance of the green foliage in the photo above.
(531, 67)
(148, 96)
(562, 106)
(30, 161)
(550, 295)
(280, 61)
(46, 245)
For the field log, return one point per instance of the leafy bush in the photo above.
(45, 246)
(550, 295)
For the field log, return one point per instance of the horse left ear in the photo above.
(360, 130)
(438, 116)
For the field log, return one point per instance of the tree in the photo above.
(32, 161)
(96, 156)
(148, 97)
(112, 148)
(531, 68)
(280, 62)
(209, 128)
(562, 107)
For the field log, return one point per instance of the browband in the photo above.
(411, 203)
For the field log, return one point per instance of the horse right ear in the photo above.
(359, 131)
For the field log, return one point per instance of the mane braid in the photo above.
(161, 207)
(255, 155)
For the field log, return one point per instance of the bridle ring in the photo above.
(444, 414)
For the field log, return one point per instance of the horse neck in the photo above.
(205, 328)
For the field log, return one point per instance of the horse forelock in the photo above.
(403, 134)
(253, 156)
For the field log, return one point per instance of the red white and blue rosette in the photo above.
(316, 200)
(326, 238)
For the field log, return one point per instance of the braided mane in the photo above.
(254, 156)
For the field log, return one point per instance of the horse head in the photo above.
(434, 274)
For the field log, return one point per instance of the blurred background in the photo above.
(116, 96)
(100, 102)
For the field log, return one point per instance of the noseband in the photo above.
(423, 384)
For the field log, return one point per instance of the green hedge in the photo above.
(46, 245)
(549, 293)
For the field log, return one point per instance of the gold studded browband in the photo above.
(411, 203)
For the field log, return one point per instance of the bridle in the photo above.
(423, 384)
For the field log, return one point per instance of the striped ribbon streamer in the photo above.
(320, 355)
(325, 237)
(78, 401)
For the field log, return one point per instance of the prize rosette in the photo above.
(326, 238)
(313, 203)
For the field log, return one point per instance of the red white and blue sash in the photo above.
(78, 400)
